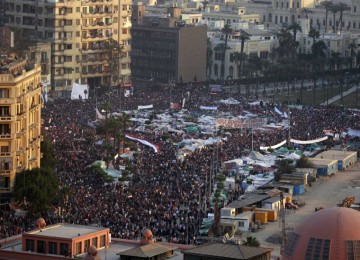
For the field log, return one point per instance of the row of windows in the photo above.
(64, 247)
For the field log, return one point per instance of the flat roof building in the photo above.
(345, 159)
(165, 49)
(57, 241)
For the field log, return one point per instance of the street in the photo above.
(326, 192)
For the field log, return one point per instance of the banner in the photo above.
(309, 141)
(79, 91)
(278, 111)
(146, 107)
(273, 146)
(208, 108)
(215, 88)
(144, 142)
(175, 106)
(99, 115)
(241, 123)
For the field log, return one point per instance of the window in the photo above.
(78, 248)
(218, 55)
(350, 250)
(102, 241)
(86, 244)
(241, 223)
(94, 242)
(216, 70)
(64, 249)
(30, 245)
(5, 129)
(41, 246)
(4, 93)
(53, 248)
(68, 59)
(264, 55)
(68, 46)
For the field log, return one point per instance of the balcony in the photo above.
(5, 154)
(5, 172)
(20, 134)
(2, 189)
(4, 101)
(6, 118)
(7, 136)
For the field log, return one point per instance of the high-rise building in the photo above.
(80, 32)
(20, 121)
(165, 49)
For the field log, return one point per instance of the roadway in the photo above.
(325, 192)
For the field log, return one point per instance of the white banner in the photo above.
(273, 146)
(146, 107)
(309, 141)
(147, 143)
(79, 91)
(99, 115)
(208, 108)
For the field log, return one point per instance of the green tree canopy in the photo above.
(304, 162)
(36, 190)
(48, 160)
(251, 241)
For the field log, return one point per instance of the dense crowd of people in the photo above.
(164, 194)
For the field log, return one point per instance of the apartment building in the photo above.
(260, 43)
(80, 32)
(165, 49)
(20, 121)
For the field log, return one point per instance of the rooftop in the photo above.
(227, 251)
(68, 231)
(9, 64)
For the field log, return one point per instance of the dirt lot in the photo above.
(326, 192)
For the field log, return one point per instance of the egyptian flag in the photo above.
(144, 142)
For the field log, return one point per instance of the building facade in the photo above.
(20, 122)
(80, 33)
(165, 49)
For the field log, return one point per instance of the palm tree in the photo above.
(314, 34)
(352, 46)
(226, 30)
(327, 4)
(334, 9)
(209, 53)
(120, 124)
(103, 127)
(341, 8)
(295, 27)
(204, 4)
(318, 49)
(251, 241)
(243, 37)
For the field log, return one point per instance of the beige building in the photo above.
(79, 32)
(20, 121)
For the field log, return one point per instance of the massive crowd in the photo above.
(164, 194)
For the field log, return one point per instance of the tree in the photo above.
(251, 241)
(204, 4)
(243, 38)
(314, 34)
(334, 9)
(103, 127)
(226, 30)
(119, 125)
(295, 27)
(209, 54)
(283, 166)
(36, 190)
(48, 160)
(318, 49)
(352, 46)
(327, 5)
(304, 162)
(115, 54)
(341, 8)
